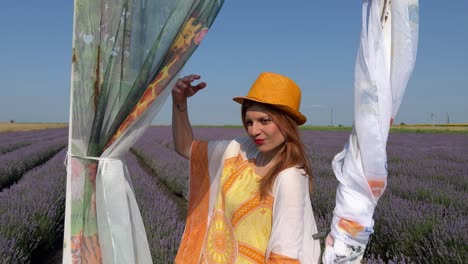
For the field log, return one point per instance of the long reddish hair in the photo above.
(292, 154)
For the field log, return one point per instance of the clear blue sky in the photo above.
(313, 42)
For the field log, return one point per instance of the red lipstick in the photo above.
(259, 141)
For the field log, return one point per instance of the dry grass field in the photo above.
(418, 128)
(450, 128)
(8, 127)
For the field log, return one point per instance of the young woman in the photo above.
(249, 197)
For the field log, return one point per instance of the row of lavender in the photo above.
(421, 217)
(429, 189)
(32, 195)
(14, 140)
(162, 214)
(32, 210)
(23, 151)
(412, 227)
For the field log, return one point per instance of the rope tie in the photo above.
(65, 162)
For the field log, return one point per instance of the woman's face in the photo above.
(263, 131)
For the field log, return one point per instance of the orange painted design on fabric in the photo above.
(280, 259)
(75, 247)
(235, 174)
(85, 249)
(190, 34)
(220, 244)
(148, 97)
(377, 187)
(234, 161)
(229, 166)
(251, 253)
(197, 214)
(249, 206)
(351, 227)
(91, 250)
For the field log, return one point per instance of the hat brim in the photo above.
(296, 115)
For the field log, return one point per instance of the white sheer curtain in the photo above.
(384, 63)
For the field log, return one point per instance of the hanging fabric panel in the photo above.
(384, 63)
(126, 53)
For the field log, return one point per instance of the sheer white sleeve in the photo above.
(289, 191)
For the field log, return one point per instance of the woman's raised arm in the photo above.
(181, 128)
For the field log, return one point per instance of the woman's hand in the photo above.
(184, 88)
(337, 251)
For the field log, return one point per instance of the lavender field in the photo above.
(421, 218)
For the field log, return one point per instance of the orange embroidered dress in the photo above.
(227, 222)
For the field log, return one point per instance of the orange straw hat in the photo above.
(278, 90)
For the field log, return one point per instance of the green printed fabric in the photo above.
(125, 54)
